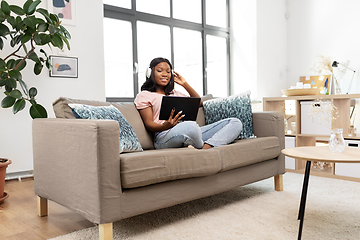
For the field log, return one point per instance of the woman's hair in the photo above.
(150, 83)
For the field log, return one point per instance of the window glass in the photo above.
(181, 10)
(118, 3)
(188, 58)
(217, 71)
(118, 70)
(150, 47)
(216, 13)
(157, 7)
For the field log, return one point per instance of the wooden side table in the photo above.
(321, 154)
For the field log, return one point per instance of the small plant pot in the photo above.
(3, 165)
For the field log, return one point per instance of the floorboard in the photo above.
(19, 219)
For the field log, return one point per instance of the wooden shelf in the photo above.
(341, 102)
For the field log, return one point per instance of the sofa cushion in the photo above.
(248, 151)
(238, 106)
(130, 112)
(155, 166)
(128, 139)
(62, 110)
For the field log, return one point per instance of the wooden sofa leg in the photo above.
(42, 206)
(106, 231)
(278, 182)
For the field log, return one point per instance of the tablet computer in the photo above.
(188, 105)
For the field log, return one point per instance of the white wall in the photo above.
(328, 27)
(87, 45)
(259, 47)
(324, 27)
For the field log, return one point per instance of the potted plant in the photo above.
(24, 31)
(25, 28)
(3, 165)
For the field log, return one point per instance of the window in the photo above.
(195, 40)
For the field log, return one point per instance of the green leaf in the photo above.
(30, 21)
(38, 111)
(15, 74)
(4, 75)
(32, 92)
(11, 64)
(19, 105)
(11, 83)
(33, 56)
(7, 89)
(27, 5)
(45, 13)
(2, 64)
(16, 9)
(53, 29)
(1, 44)
(15, 94)
(12, 21)
(25, 38)
(66, 41)
(2, 82)
(22, 65)
(5, 7)
(44, 39)
(4, 30)
(7, 102)
(54, 17)
(24, 87)
(65, 32)
(42, 27)
(57, 41)
(37, 68)
(33, 6)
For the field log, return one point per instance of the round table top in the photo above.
(323, 154)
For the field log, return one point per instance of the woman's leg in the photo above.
(183, 134)
(221, 132)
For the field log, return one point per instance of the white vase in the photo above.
(337, 142)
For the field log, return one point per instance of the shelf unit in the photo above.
(341, 102)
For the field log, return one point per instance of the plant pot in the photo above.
(3, 165)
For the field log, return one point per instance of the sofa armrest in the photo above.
(77, 164)
(271, 123)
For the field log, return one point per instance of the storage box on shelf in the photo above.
(306, 133)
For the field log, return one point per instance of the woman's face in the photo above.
(162, 74)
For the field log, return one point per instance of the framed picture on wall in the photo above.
(64, 9)
(66, 67)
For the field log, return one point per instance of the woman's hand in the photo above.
(172, 121)
(179, 79)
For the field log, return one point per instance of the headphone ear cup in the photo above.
(148, 72)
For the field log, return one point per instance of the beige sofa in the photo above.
(77, 164)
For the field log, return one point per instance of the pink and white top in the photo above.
(146, 99)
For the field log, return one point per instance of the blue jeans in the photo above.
(189, 133)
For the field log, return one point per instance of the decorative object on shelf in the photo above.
(300, 92)
(352, 131)
(25, 28)
(66, 67)
(324, 113)
(4, 162)
(322, 82)
(343, 71)
(337, 142)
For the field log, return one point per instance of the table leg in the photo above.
(303, 197)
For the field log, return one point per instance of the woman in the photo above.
(172, 133)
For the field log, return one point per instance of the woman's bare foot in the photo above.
(206, 146)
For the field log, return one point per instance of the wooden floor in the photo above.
(19, 220)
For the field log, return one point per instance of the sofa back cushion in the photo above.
(62, 110)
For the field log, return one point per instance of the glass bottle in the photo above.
(337, 142)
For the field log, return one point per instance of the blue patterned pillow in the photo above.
(128, 139)
(238, 106)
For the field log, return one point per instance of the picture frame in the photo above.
(64, 9)
(65, 67)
